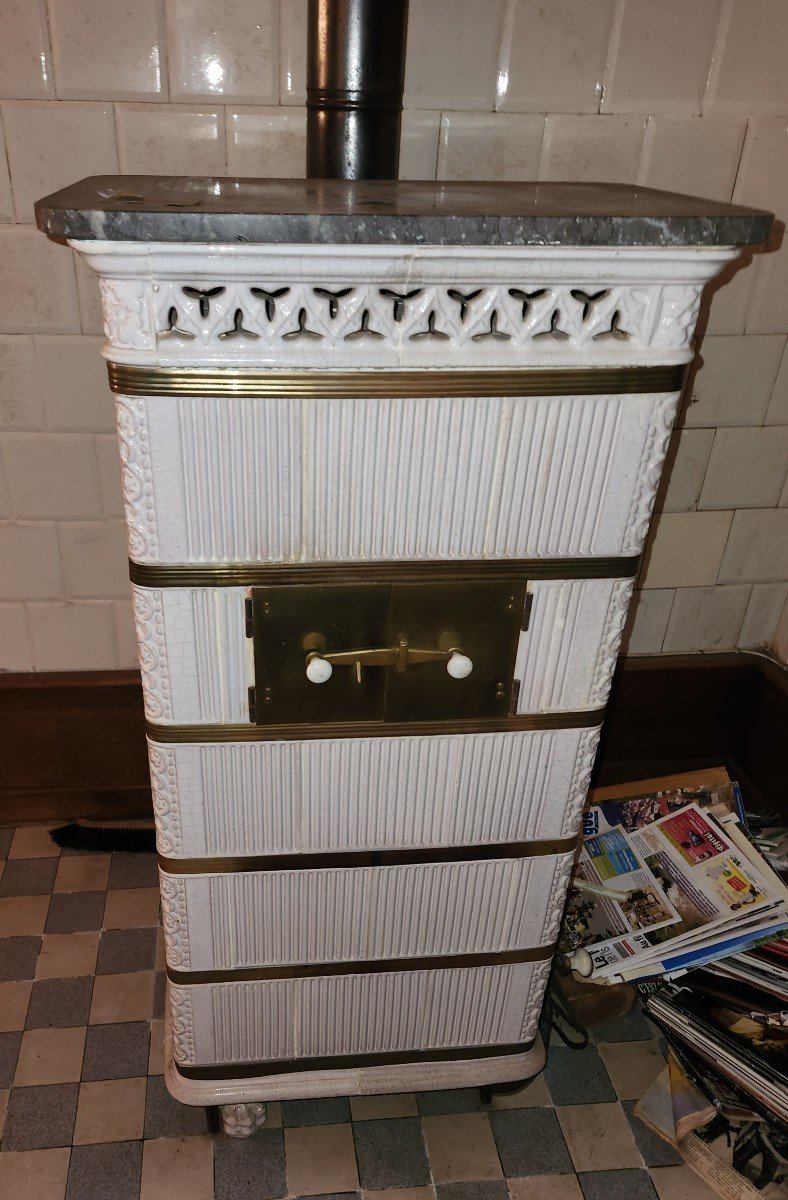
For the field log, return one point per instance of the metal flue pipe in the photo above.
(355, 76)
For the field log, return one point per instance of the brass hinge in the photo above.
(249, 616)
(529, 603)
(252, 693)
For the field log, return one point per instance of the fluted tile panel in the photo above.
(362, 793)
(357, 1014)
(281, 917)
(238, 479)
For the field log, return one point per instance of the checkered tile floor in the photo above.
(85, 1114)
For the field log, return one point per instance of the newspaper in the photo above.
(659, 874)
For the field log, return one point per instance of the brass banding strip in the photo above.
(331, 860)
(278, 574)
(351, 1062)
(172, 734)
(446, 962)
(232, 381)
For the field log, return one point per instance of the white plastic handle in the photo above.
(318, 670)
(459, 665)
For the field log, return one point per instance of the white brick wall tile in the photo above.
(540, 41)
(51, 475)
(15, 650)
(592, 149)
(51, 144)
(74, 383)
(125, 637)
(489, 146)
(728, 298)
(451, 59)
(6, 198)
(763, 181)
(6, 509)
(749, 73)
(747, 468)
(686, 469)
(695, 155)
(687, 549)
(21, 402)
(225, 49)
(156, 139)
(72, 636)
(30, 556)
(735, 382)
(102, 52)
(763, 612)
(757, 548)
(662, 57)
(267, 141)
(94, 558)
(25, 57)
(768, 308)
(706, 619)
(39, 290)
(418, 149)
(292, 51)
(647, 621)
(108, 462)
(777, 412)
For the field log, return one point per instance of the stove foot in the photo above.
(239, 1120)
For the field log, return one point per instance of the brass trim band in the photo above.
(437, 962)
(332, 860)
(177, 734)
(349, 1062)
(234, 381)
(277, 574)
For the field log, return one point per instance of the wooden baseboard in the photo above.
(73, 744)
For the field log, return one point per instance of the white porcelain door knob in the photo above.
(318, 670)
(459, 665)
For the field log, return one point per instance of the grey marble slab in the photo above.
(148, 208)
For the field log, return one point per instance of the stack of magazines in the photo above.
(667, 880)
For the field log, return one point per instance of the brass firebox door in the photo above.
(385, 652)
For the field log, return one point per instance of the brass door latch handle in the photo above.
(320, 666)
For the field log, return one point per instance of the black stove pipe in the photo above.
(355, 76)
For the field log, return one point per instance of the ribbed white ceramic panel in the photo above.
(356, 1014)
(397, 306)
(364, 793)
(197, 663)
(566, 657)
(360, 479)
(270, 918)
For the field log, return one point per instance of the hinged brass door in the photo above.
(421, 651)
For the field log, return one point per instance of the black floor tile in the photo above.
(9, 1052)
(166, 1118)
(391, 1153)
(250, 1167)
(28, 877)
(40, 1117)
(656, 1152)
(475, 1189)
(60, 1003)
(629, 1184)
(332, 1196)
(633, 1026)
(133, 871)
(94, 1169)
(6, 838)
(18, 958)
(126, 950)
(530, 1142)
(116, 1051)
(453, 1100)
(159, 992)
(577, 1076)
(329, 1110)
(75, 912)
